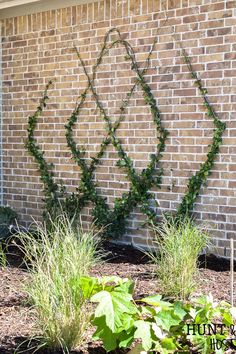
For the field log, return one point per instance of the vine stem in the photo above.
(199, 178)
(139, 184)
(142, 183)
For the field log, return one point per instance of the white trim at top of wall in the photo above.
(15, 8)
(12, 3)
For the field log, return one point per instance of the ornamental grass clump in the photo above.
(3, 258)
(56, 261)
(178, 247)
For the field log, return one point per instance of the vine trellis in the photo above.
(57, 197)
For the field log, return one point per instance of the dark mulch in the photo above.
(17, 319)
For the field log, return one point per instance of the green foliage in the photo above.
(57, 198)
(177, 247)
(196, 181)
(46, 174)
(56, 262)
(140, 184)
(7, 217)
(160, 325)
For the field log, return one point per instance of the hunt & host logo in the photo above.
(221, 336)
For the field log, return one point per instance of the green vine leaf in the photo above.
(112, 305)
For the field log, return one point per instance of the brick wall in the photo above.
(1, 153)
(38, 47)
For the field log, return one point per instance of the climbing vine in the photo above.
(45, 169)
(56, 198)
(196, 181)
(140, 183)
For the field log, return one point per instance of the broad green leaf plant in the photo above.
(160, 325)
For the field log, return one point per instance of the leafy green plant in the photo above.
(57, 196)
(56, 261)
(140, 184)
(176, 256)
(7, 217)
(160, 325)
(199, 178)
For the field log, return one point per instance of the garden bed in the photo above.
(17, 321)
